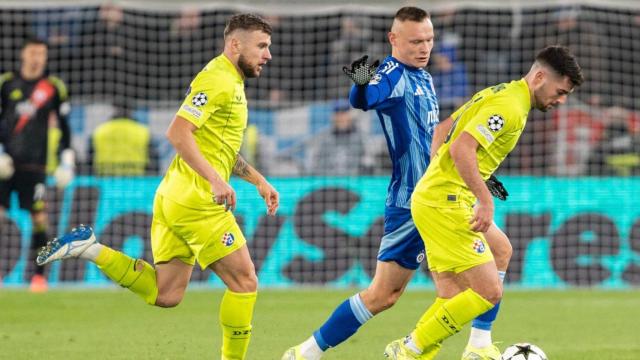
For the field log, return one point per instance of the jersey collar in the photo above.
(408, 67)
(230, 67)
(526, 92)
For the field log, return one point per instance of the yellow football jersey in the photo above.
(217, 106)
(495, 117)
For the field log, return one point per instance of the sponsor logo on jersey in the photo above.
(39, 96)
(238, 97)
(228, 239)
(25, 108)
(419, 91)
(485, 132)
(478, 246)
(195, 112)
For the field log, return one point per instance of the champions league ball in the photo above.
(523, 351)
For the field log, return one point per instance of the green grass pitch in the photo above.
(113, 324)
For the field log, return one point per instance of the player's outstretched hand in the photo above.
(223, 194)
(496, 188)
(361, 72)
(482, 217)
(65, 172)
(6, 166)
(270, 196)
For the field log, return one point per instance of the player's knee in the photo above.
(169, 300)
(381, 299)
(492, 293)
(502, 254)
(392, 299)
(244, 282)
(249, 282)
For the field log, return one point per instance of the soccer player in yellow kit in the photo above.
(452, 207)
(191, 212)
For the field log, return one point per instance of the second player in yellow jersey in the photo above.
(495, 117)
(452, 207)
(192, 211)
(216, 105)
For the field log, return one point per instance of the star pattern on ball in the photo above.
(199, 99)
(495, 122)
(523, 350)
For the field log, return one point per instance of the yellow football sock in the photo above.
(449, 318)
(135, 274)
(431, 310)
(236, 312)
(435, 348)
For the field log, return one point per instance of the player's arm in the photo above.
(6, 162)
(439, 134)
(153, 163)
(247, 172)
(180, 135)
(463, 152)
(371, 88)
(65, 172)
(62, 110)
(63, 124)
(3, 79)
(494, 185)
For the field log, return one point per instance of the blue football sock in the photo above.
(485, 320)
(344, 322)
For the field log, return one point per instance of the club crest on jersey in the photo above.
(199, 99)
(495, 122)
(478, 246)
(15, 95)
(375, 79)
(228, 239)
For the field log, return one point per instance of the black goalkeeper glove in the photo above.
(496, 188)
(361, 72)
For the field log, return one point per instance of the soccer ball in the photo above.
(523, 351)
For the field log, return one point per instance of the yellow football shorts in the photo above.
(450, 243)
(206, 235)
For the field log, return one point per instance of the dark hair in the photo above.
(246, 22)
(411, 13)
(33, 41)
(560, 59)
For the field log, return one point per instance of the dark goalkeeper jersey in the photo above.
(25, 109)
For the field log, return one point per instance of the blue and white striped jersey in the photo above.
(405, 101)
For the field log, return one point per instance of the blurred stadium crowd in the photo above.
(138, 60)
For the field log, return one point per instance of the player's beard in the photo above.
(247, 70)
(540, 105)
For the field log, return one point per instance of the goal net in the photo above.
(574, 179)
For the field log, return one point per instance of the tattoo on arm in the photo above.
(241, 168)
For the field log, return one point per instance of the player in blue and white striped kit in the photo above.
(403, 95)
